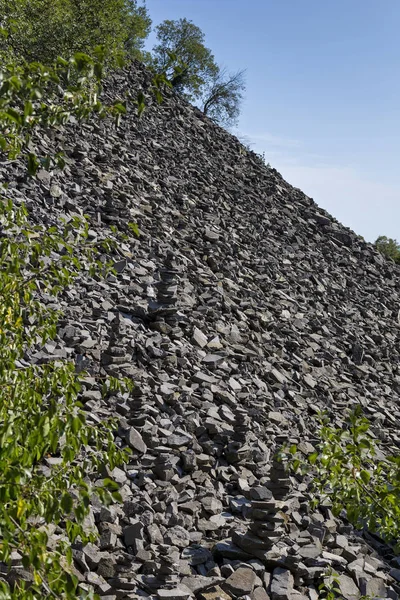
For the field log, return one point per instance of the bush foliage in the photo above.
(41, 31)
(348, 473)
(388, 247)
(50, 456)
(35, 96)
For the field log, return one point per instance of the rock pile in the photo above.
(241, 310)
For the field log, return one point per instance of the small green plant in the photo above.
(329, 589)
(51, 457)
(347, 474)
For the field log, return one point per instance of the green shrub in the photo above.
(50, 456)
(388, 247)
(34, 96)
(347, 473)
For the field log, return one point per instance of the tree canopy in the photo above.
(201, 80)
(222, 96)
(38, 30)
(185, 40)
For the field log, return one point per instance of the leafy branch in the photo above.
(345, 472)
(40, 414)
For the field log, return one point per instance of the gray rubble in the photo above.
(240, 311)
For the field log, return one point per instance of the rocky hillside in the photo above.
(241, 310)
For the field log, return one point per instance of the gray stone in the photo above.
(240, 583)
(199, 338)
(281, 584)
(196, 555)
(259, 594)
(199, 583)
(348, 588)
(173, 594)
(215, 593)
(135, 441)
(260, 493)
(133, 532)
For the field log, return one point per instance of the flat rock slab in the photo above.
(216, 593)
(173, 594)
(348, 588)
(240, 583)
(281, 584)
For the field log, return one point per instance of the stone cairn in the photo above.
(167, 291)
(266, 527)
(279, 482)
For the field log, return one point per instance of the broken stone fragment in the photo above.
(173, 594)
(133, 532)
(240, 583)
(281, 584)
(215, 593)
(135, 441)
(199, 338)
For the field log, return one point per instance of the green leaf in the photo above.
(28, 109)
(120, 107)
(312, 458)
(365, 476)
(141, 104)
(33, 164)
(14, 115)
(134, 228)
(110, 484)
(295, 465)
(76, 424)
(66, 503)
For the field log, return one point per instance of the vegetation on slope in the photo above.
(217, 92)
(389, 247)
(51, 457)
(348, 472)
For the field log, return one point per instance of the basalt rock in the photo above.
(241, 310)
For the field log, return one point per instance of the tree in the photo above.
(222, 96)
(388, 247)
(38, 30)
(199, 79)
(138, 27)
(185, 40)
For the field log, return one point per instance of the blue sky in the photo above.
(322, 98)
